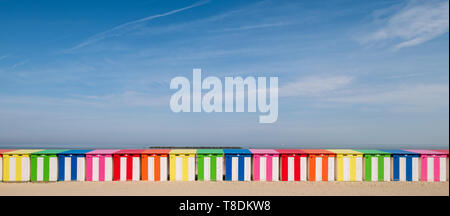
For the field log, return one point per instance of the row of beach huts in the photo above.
(38, 165)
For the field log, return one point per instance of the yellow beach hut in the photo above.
(16, 165)
(182, 164)
(349, 164)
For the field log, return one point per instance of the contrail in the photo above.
(123, 28)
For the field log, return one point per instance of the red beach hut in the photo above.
(293, 165)
(127, 165)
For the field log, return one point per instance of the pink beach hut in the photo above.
(99, 165)
(265, 164)
(433, 165)
(446, 163)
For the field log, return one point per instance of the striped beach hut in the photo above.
(155, 164)
(294, 165)
(446, 159)
(377, 165)
(16, 165)
(432, 165)
(182, 164)
(1, 161)
(321, 164)
(349, 164)
(99, 165)
(405, 165)
(44, 165)
(210, 164)
(265, 164)
(127, 165)
(72, 165)
(238, 164)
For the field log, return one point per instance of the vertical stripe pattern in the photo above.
(154, 167)
(16, 167)
(238, 167)
(265, 167)
(44, 168)
(293, 167)
(321, 167)
(349, 167)
(127, 167)
(405, 168)
(433, 168)
(182, 167)
(99, 167)
(210, 167)
(377, 168)
(71, 167)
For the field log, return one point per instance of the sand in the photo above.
(228, 188)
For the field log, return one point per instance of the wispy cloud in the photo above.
(129, 26)
(124, 99)
(127, 98)
(252, 27)
(413, 24)
(314, 86)
(3, 57)
(424, 97)
(403, 76)
(337, 90)
(18, 64)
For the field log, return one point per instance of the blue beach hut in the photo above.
(72, 165)
(405, 165)
(238, 164)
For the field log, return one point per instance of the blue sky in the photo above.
(358, 74)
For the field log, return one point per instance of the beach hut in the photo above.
(405, 165)
(1, 161)
(44, 165)
(182, 164)
(349, 164)
(155, 164)
(294, 164)
(210, 164)
(446, 163)
(238, 163)
(127, 165)
(377, 165)
(265, 164)
(321, 164)
(99, 165)
(16, 165)
(433, 165)
(72, 165)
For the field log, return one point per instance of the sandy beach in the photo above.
(227, 188)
